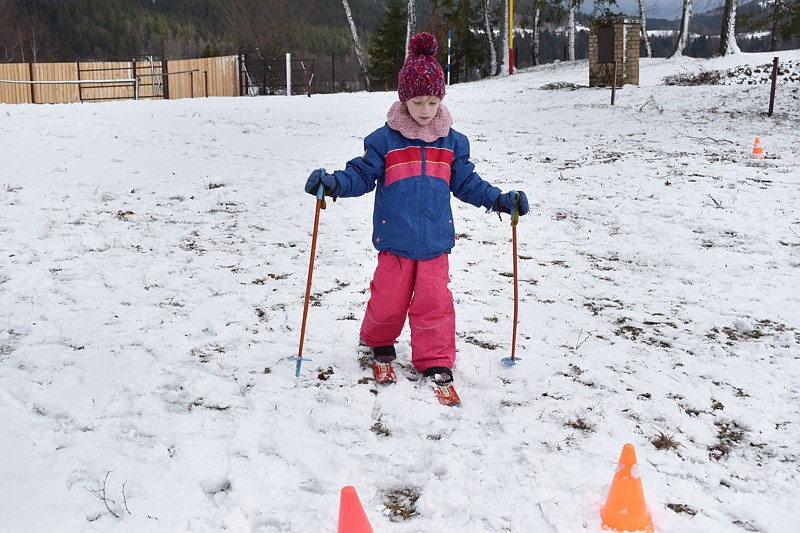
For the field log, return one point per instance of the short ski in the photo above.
(446, 393)
(384, 372)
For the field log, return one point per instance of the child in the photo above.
(416, 161)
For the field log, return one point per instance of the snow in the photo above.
(153, 266)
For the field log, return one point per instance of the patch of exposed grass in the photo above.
(729, 434)
(379, 429)
(581, 424)
(681, 508)
(664, 441)
(631, 332)
(483, 344)
(401, 503)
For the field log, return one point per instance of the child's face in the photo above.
(423, 108)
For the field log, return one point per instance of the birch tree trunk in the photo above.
(773, 39)
(411, 27)
(535, 44)
(643, 15)
(571, 30)
(356, 42)
(487, 25)
(504, 29)
(683, 32)
(727, 34)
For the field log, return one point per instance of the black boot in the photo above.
(384, 354)
(439, 374)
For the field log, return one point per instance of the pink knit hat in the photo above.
(421, 74)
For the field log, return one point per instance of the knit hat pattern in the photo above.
(421, 74)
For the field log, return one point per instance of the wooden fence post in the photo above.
(774, 82)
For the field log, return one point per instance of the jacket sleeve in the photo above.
(362, 173)
(465, 183)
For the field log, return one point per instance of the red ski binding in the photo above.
(384, 372)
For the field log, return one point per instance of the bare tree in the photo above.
(572, 6)
(24, 36)
(643, 15)
(487, 25)
(9, 41)
(271, 26)
(727, 35)
(357, 43)
(411, 27)
(777, 8)
(32, 36)
(682, 45)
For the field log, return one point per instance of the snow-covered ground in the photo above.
(153, 261)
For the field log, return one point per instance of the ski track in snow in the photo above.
(154, 261)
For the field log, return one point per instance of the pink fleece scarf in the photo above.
(401, 121)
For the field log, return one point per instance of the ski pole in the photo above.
(511, 361)
(320, 205)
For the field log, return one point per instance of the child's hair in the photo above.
(421, 74)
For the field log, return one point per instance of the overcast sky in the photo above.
(664, 9)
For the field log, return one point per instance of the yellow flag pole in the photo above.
(511, 37)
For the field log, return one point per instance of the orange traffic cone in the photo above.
(625, 508)
(352, 518)
(758, 153)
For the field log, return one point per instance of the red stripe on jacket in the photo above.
(403, 163)
(438, 163)
(407, 162)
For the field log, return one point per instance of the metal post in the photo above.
(614, 84)
(333, 72)
(288, 74)
(240, 71)
(80, 86)
(33, 85)
(191, 83)
(449, 40)
(165, 69)
(774, 82)
(264, 77)
(205, 75)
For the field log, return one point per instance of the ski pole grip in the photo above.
(321, 189)
(515, 209)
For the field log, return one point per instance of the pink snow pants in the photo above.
(418, 289)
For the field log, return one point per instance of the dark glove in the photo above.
(327, 180)
(505, 203)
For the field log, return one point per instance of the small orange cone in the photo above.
(352, 518)
(625, 508)
(758, 153)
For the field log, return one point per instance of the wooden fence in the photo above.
(213, 76)
(71, 82)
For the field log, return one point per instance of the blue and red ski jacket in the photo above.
(414, 179)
